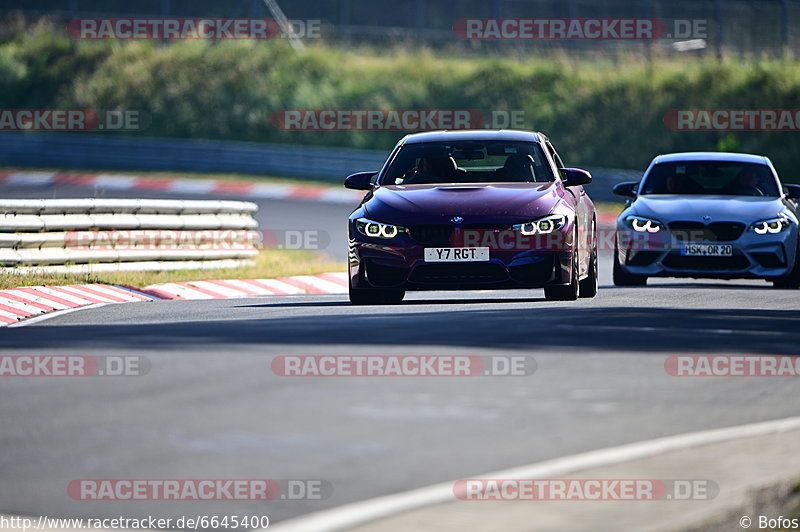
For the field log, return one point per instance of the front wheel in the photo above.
(792, 280)
(374, 296)
(568, 292)
(622, 277)
(589, 286)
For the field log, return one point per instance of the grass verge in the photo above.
(608, 208)
(269, 264)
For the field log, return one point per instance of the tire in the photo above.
(372, 296)
(588, 287)
(792, 280)
(569, 292)
(622, 277)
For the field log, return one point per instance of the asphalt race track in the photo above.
(211, 407)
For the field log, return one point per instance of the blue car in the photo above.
(708, 215)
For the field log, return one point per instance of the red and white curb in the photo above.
(323, 283)
(18, 305)
(606, 220)
(248, 189)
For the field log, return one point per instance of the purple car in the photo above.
(460, 210)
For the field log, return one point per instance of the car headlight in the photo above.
(643, 225)
(542, 226)
(771, 226)
(375, 229)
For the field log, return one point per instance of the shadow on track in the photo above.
(634, 329)
(700, 286)
(405, 303)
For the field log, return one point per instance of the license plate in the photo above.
(707, 250)
(456, 254)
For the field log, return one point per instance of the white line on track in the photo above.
(354, 514)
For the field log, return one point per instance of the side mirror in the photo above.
(626, 189)
(360, 181)
(575, 176)
(792, 191)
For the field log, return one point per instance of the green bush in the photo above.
(601, 112)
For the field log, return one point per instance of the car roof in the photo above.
(512, 135)
(710, 156)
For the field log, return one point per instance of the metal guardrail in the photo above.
(78, 150)
(82, 235)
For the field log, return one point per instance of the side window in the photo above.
(554, 155)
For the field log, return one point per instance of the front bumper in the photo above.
(660, 255)
(401, 265)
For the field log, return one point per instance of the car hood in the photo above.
(669, 208)
(497, 202)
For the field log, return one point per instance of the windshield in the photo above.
(711, 177)
(468, 162)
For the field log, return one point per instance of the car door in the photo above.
(583, 210)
